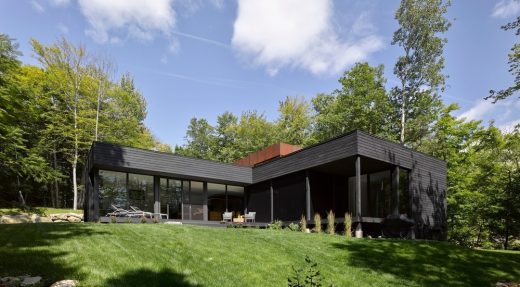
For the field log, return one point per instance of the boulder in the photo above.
(31, 281)
(10, 282)
(73, 219)
(65, 283)
(13, 219)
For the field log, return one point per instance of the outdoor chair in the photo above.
(250, 216)
(140, 213)
(227, 216)
(118, 212)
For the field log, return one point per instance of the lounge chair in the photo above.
(227, 216)
(137, 212)
(118, 211)
(250, 216)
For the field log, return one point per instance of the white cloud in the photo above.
(478, 111)
(37, 6)
(63, 29)
(132, 18)
(506, 9)
(505, 114)
(60, 3)
(298, 34)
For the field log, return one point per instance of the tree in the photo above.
(67, 63)
(514, 66)
(293, 124)
(225, 148)
(199, 138)
(361, 103)
(419, 70)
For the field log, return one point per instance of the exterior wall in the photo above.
(115, 157)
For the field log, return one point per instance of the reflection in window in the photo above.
(379, 195)
(140, 191)
(197, 200)
(235, 195)
(216, 201)
(171, 195)
(112, 191)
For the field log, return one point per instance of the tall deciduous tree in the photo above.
(419, 70)
(514, 66)
(360, 103)
(293, 124)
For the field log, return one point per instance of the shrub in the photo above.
(129, 220)
(348, 225)
(294, 227)
(113, 219)
(317, 223)
(155, 220)
(330, 222)
(308, 275)
(144, 220)
(303, 224)
(276, 225)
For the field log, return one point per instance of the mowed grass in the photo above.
(170, 255)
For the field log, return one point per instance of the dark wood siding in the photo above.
(427, 178)
(307, 158)
(115, 157)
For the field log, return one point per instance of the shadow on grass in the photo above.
(24, 249)
(147, 277)
(433, 263)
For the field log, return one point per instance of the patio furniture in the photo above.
(227, 216)
(117, 211)
(250, 216)
(137, 212)
(239, 219)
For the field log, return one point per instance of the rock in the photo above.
(10, 282)
(31, 281)
(65, 283)
(13, 219)
(44, 219)
(73, 219)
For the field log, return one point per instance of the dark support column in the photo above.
(359, 230)
(157, 200)
(227, 199)
(307, 196)
(395, 191)
(205, 202)
(272, 200)
(94, 211)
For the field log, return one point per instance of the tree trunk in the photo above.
(75, 160)
(56, 202)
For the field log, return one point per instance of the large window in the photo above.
(171, 196)
(379, 194)
(235, 196)
(140, 191)
(112, 191)
(216, 201)
(197, 200)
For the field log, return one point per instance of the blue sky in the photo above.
(201, 58)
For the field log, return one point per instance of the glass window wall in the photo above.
(112, 191)
(140, 191)
(216, 201)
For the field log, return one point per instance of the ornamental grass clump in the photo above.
(293, 227)
(317, 223)
(303, 224)
(348, 225)
(144, 220)
(330, 222)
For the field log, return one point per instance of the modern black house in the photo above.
(369, 177)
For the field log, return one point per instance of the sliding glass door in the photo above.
(171, 198)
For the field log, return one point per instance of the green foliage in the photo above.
(303, 224)
(331, 222)
(293, 226)
(307, 276)
(348, 225)
(276, 225)
(293, 124)
(361, 103)
(144, 220)
(514, 65)
(317, 223)
(419, 70)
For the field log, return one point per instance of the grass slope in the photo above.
(168, 255)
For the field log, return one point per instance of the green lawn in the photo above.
(37, 210)
(169, 255)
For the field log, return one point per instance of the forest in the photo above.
(51, 113)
